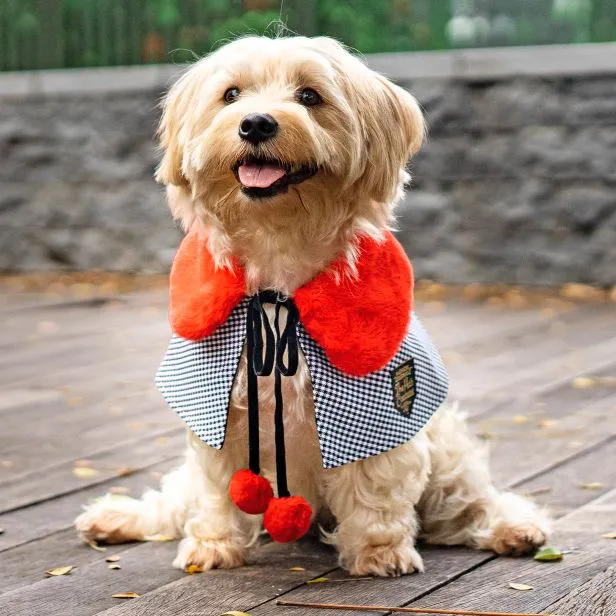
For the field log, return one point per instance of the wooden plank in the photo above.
(595, 598)
(27, 563)
(484, 587)
(54, 515)
(146, 567)
(133, 454)
(487, 588)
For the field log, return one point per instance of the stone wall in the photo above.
(516, 183)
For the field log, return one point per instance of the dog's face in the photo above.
(294, 131)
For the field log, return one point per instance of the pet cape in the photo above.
(376, 376)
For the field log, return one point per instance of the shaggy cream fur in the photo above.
(360, 137)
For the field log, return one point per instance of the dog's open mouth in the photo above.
(263, 177)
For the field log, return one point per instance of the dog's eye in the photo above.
(231, 95)
(309, 97)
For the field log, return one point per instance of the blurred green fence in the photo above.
(36, 34)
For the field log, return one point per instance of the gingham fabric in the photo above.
(357, 417)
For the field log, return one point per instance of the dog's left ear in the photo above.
(394, 130)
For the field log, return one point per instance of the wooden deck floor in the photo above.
(76, 389)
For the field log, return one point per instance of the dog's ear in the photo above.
(173, 129)
(394, 130)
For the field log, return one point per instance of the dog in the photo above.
(280, 154)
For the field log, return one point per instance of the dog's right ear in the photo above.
(173, 130)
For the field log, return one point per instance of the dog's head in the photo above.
(289, 130)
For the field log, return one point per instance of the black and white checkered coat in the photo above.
(356, 417)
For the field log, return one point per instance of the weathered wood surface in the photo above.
(76, 384)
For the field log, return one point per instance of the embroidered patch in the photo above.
(404, 384)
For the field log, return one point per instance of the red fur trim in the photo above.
(202, 297)
(361, 322)
(287, 519)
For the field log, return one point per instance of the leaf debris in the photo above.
(517, 586)
(297, 569)
(84, 472)
(114, 566)
(234, 613)
(548, 554)
(59, 571)
(125, 595)
(192, 569)
(318, 580)
(609, 536)
(112, 559)
(593, 485)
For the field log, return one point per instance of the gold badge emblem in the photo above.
(404, 385)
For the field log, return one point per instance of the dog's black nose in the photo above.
(258, 127)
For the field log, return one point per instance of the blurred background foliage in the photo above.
(38, 34)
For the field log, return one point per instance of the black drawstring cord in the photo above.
(262, 359)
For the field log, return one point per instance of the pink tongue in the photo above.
(259, 176)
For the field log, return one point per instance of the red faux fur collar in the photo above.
(359, 323)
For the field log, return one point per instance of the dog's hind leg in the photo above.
(119, 519)
(461, 506)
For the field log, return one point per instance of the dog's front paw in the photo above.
(386, 560)
(517, 539)
(214, 554)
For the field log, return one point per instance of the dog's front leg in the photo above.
(374, 502)
(216, 533)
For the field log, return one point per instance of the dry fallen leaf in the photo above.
(583, 382)
(593, 485)
(318, 580)
(59, 571)
(548, 554)
(112, 559)
(114, 566)
(95, 546)
(520, 419)
(126, 595)
(192, 569)
(609, 536)
(158, 538)
(118, 490)
(548, 423)
(297, 569)
(235, 614)
(125, 471)
(84, 472)
(517, 586)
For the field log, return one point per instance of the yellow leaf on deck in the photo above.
(236, 614)
(126, 471)
(297, 569)
(517, 586)
(112, 559)
(520, 419)
(583, 382)
(84, 472)
(318, 580)
(118, 490)
(114, 566)
(126, 595)
(593, 485)
(59, 571)
(609, 536)
(192, 569)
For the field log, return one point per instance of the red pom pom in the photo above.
(287, 519)
(250, 492)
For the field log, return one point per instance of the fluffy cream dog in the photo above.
(339, 136)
